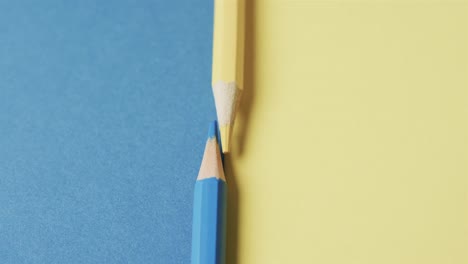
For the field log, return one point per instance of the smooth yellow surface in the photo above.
(228, 41)
(351, 144)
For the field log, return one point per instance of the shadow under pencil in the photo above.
(248, 96)
(232, 235)
(242, 126)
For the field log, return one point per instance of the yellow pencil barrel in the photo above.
(228, 42)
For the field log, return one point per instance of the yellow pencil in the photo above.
(228, 63)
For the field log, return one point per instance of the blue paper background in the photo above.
(104, 109)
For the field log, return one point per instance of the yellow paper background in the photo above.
(352, 141)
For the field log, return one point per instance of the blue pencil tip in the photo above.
(213, 130)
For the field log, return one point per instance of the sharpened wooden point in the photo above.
(212, 166)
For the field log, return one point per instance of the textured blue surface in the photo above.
(103, 114)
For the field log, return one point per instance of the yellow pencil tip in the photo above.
(225, 132)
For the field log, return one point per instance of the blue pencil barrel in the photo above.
(209, 222)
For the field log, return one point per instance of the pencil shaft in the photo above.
(209, 222)
(228, 41)
(228, 63)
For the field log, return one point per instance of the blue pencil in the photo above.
(209, 208)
